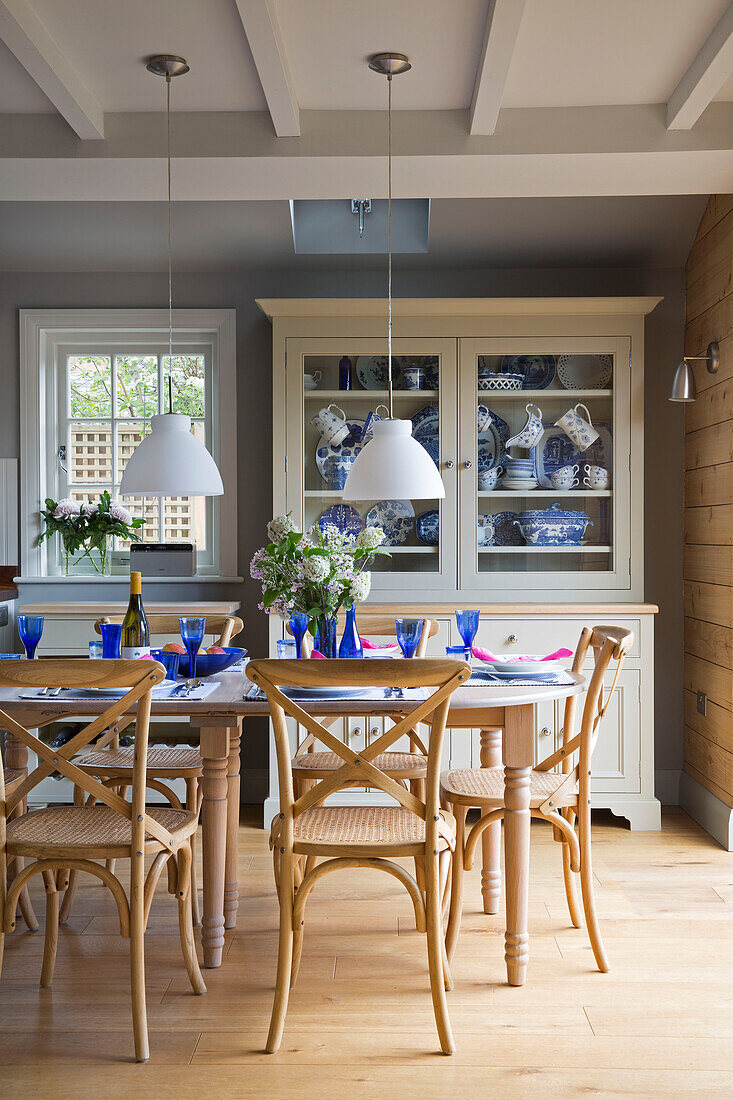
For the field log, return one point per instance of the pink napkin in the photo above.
(366, 644)
(485, 655)
(318, 655)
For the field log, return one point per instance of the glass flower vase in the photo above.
(351, 642)
(326, 636)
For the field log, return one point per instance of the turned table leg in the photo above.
(231, 876)
(491, 839)
(518, 759)
(215, 757)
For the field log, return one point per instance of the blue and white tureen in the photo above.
(553, 526)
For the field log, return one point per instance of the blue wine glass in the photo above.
(408, 635)
(192, 635)
(468, 628)
(299, 625)
(30, 628)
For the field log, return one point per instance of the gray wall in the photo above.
(664, 421)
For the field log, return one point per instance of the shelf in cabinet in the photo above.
(412, 549)
(544, 549)
(538, 395)
(343, 395)
(569, 494)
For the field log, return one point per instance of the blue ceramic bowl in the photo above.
(207, 664)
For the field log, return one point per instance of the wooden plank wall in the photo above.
(708, 562)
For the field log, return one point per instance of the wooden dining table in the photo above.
(217, 721)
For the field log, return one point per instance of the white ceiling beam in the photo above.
(25, 36)
(262, 28)
(500, 36)
(705, 77)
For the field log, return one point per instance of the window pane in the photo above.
(136, 392)
(184, 520)
(189, 395)
(90, 385)
(129, 433)
(146, 508)
(90, 460)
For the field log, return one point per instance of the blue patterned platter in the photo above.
(426, 430)
(505, 531)
(555, 449)
(346, 519)
(372, 371)
(492, 443)
(427, 527)
(395, 517)
(538, 370)
(334, 462)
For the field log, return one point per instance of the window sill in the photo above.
(123, 578)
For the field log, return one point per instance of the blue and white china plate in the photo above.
(585, 372)
(492, 442)
(555, 449)
(325, 692)
(426, 430)
(431, 366)
(395, 517)
(335, 461)
(505, 533)
(346, 519)
(427, 527)
(489, 670)
(372, 371)
(538, 370)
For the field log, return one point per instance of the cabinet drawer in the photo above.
(543, 635)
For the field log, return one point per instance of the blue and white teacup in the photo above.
(487, 479)
(579, 431)
(596, 477)
(565, 478)
(483, 418)
(414, 377)
(532, 431)
(485, 530)
(333, 428)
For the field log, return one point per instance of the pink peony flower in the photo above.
(67, 507)
(119, 513)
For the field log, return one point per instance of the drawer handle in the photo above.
(545, 731)
(511, 640)
(374, 731)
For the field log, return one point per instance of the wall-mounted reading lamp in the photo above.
(683, 386)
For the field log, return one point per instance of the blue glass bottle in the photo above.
(351, 642)
(346, 374)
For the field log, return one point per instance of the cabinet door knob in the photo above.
(545, 731)
(449, 463)
(374, 731)
(511, 640)
(467, 464)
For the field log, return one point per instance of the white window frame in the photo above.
(42, 334)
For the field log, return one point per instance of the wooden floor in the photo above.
(360, 1022)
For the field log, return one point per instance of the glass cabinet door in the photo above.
(334, 387)
(545, 464)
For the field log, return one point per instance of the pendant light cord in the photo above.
(170, 249)
(389, 244)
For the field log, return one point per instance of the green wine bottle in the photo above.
(135, 630)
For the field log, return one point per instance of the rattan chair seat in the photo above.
(13, 776)
(164, 762)
(485, 787)
(400, 765)
(93, 832)
(361, 827)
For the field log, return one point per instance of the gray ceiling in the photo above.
(634, 231)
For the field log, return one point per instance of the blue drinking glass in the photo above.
(467, 627)
(30, 628)
(111, 640)
(192, 634)
(299, 625)
(168, 660)
(458, 652)
(408, 635)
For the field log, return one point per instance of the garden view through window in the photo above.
(109, 402)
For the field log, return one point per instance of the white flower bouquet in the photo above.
(87, 527)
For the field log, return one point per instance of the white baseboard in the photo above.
(707, 810)
(667, 786)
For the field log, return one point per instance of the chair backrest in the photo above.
(382, 625)
(222, 627)
(608, 643)
(140, 677)
(358, 768)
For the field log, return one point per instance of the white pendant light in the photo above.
(392, 464)
(170, 461)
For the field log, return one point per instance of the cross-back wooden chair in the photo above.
(165, 762)
(555, 797)
(363, 836)
(60, 838)
(13, 778)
